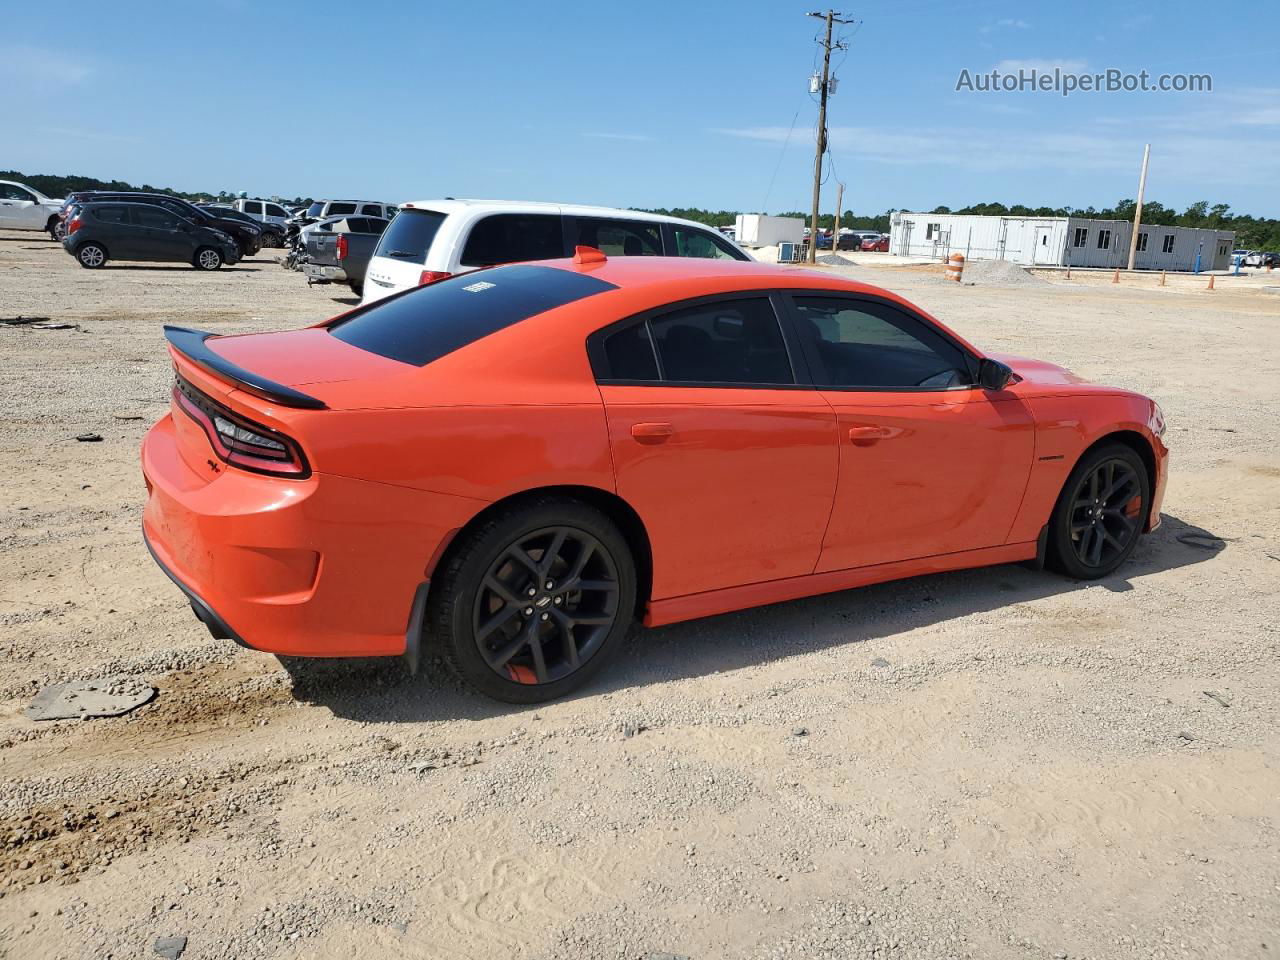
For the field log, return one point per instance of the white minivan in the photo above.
(433, 239)
(263, 210)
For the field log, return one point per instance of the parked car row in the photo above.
(98, 225)
(1256, 258)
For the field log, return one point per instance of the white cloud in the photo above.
(1188, 156)
(39, 70)
(1042, 66)
(631, 137)
(1016, 24)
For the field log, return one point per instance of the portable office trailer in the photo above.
(757, 230)
(1058, 241)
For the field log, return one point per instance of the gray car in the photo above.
(106, 230)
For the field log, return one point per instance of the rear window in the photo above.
(429, 322)
(514, 237)
(410, 234)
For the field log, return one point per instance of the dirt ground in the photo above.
(990, 764)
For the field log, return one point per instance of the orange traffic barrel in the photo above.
(955, 267)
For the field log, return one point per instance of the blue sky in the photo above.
(639, 104)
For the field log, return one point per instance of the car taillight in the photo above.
(342, 246)
(431, 276)
(239, 441)
(73, 226)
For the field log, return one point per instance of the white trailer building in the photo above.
(757, 230)
(1058, 241)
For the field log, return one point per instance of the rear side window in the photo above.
(341, 209)
(410, 234)
(725, 341)
(629, 353)
(376, 225)
(429, 322)
(513, 237)
(372, 209)
(111, 214)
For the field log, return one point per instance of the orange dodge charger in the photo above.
(516, 464)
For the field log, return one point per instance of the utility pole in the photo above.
(1137, 211)
(832, 17)
(835, 227)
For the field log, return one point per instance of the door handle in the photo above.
(865, 436)
(652, 432)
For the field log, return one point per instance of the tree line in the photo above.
(1257, 233)
(59, 186)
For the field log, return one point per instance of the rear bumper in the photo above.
(321, 273)
(323, 567)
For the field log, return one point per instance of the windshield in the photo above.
(409, 235)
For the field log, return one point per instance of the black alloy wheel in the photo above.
(546, 605)
(1100, 514)
(530, 602)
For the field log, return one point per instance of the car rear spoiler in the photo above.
(191, 344)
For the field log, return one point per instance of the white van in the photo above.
(323, 209)
(432, 239)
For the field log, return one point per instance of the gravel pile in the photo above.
(1000, 272)
(835, 260)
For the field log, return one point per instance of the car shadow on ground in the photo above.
(347, 301)
(184, 268)
(381, 690)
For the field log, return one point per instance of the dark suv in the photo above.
(248, 236)
(99, 231)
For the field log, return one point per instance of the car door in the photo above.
(730, 463)
(114, 227)
(19, 210)
(929, 463)
(253, 208)
(163, 235)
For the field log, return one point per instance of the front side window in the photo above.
(513, 237)
(619, 238)
(275, 211)
(1081, 237)
(726, 341)
(315, 209)
(9, 191)
(871, 345)
(699, 243)
(145, 215)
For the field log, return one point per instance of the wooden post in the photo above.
(1137, 210)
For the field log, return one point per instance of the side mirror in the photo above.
(993, 375)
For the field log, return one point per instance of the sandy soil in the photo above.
(991, 764)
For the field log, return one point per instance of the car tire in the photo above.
(499, 625)
(1100, 513)
(51, 228)
(91, 255)
(207, 258)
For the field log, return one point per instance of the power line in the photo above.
(786, 143)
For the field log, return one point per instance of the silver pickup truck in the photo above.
(339, 250)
